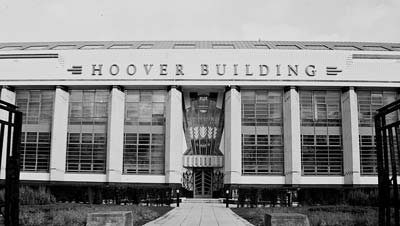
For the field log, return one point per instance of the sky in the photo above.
(292, 20)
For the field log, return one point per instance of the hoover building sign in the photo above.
(192, 65)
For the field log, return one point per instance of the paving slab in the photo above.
(200, 214)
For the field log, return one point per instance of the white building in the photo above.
(199, 114)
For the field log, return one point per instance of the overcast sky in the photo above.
(91, 20)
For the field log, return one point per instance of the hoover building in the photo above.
(199, 115)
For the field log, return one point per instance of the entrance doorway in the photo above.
(203, 182)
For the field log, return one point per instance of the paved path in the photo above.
(200, 214)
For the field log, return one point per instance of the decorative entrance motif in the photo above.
(203, 183)
(203, 125)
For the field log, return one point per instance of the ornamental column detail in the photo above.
(174, 137)
(59, 134)
(115, 134)
(350, 132)
(292, 142)
(232, 136)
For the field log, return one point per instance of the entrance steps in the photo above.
(201, 200)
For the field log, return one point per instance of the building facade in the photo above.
(199, 115)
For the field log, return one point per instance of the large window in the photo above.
(321, 139)
(144, 133)
(87, 131)
(368, 103)
(262, 137)
(37, 109)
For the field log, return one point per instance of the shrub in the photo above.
(29, 196)
(31, 218)
(73, 214)
(362, 197)
(326, 215)
(70, 218)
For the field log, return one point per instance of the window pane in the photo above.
(144, 151)
(321, 139)
(87, 144)
(262, 149)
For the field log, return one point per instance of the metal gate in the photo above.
(387, 130)
(203, 183)
(10, 141)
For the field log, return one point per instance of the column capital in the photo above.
(10, 88)
(179, 88)
(287, 88)
(345, 89)
(64, 88)
(120, 88)
(227, 88)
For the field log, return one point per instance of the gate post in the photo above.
(10, 140)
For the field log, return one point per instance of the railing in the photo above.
(387, 147)
(10, 141)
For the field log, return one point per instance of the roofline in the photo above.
(300, 45)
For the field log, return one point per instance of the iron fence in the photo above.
(10, 141)
(388, 152)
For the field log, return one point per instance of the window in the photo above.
(35, 151)
(345, 47)
(375, 48)
(37, 47)
(121, 46)
(261, 46)
(185, 46)
(37, 109)
(87, 131)
(368, 103)
(145, 46)
(11, 48)
(92, 47)
(321, 139)
(223, 46)
(58, 47)
(396, 48)
(262, 137)
(144, 136)
(317, 47)
(287, 47)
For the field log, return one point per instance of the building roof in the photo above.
(352, 46)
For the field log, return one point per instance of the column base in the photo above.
(56, 174)
(173, 177)
(232, 177)
(352, 177)
(114, 175)
(293, 177)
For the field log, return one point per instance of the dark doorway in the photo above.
(203, 182)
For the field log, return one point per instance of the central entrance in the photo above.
(203, 119)
(203, 183)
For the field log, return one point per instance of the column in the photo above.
(173, 137)
(115, 134)
(291, 128)
(233, 136)
(59, 131)
(7, 95)
(350, 133)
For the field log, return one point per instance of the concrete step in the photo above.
(200, 200)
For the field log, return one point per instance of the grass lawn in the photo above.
(330, 215)
(72, 214)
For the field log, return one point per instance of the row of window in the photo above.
(262, 132)
(87, 130)
(321, 138)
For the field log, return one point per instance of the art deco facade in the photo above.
(201, 115)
